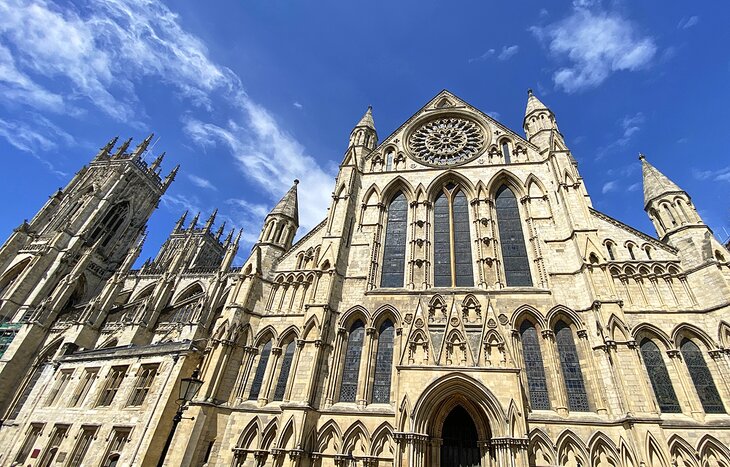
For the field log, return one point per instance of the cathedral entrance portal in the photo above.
(459, 447)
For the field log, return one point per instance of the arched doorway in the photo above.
(459, 447)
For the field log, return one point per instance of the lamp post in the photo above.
(189, 387)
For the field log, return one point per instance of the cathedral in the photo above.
(462, 304)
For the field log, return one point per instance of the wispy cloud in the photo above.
(98, 57)
(629, 125)
(688, 22)
(201, 182)
(508, 52)
(623, 177)
(298, 105)
(595, 43)
(609, 186)
(486, 55)
(719, 175)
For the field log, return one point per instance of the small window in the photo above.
(258, 378)
(659, 377)
(49, 456)
(505, 152)
(383, 363)
(62, 381)
(82, 445)
(394, 250)
(389, 161)
(631, 251)
(87, 380)
(142, 385)
(113, 381)
(119, 439)
(534, 368)
(647, 249)
(609, 249)
(351, 367)
(30, 440)
(570, 366)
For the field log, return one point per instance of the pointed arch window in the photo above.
(505, 151)
(258, 378)
(351, 368)
(701, 377)
(383, 363)
(659, 377)
(512, 241)
(570, 366)
(286, 362)
(110, 224)
(394, 251)
(534, 368)
(452, 239)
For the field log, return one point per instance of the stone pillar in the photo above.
(553, 368)
(688, 389)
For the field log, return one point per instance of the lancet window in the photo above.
(351, 367)
(534, 368)
(110, 224)
(394, 252)
(505, 152)
(383, 363)
(659, 377)
(452, 239)
(701, 377)
(286, 362)
(570, 366)
(258, 378)
(514, 253)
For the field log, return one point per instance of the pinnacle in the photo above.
(533, 103)
(656, 183)
(367, 119)
(289, 204)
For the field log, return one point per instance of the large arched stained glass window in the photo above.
(258, 378)
(514, 253)
(383, 363)
(701, 377)
(286, 362)
(570, 366)
(351, 369)
(659, 377)
(394, 252)
(452, 266)
(534, 368)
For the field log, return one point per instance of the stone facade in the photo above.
(461, 304)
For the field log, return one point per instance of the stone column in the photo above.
(553, 368)
(269, 376)
(688, 389)
(335, 369)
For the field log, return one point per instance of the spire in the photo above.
(181, 221)
(194, 222)
(367, 119)
(157, 162)
(534, 104)
(122, 148)
(170, 177)
(220, 231)
(109, 146)
(210, 221)
(142, 147)
(656, 183)
(289, 204)
(228, 238)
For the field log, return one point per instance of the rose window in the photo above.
(447, 141)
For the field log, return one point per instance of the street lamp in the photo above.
(189, 387)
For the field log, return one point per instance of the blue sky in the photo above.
(248, 95)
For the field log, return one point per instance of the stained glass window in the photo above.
(383, 363)
(534, 369)
(284, 374)
(514, 254)
(351, 369)
(258, 378)
(451, 228)
(659, 377)
(701, 377)
(570, 365)
(394, 252)
(441, 242)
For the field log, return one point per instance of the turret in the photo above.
(675, 218)
(282, 222)
(157, 162)
(364, 134)
(104, 152)
(540, 125)
(180, 222)
(123, 148)
(211, 220)
(142, 147)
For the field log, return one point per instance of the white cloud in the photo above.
(596, 44)
(508, 52)
(686, 23)
(719, 175)
(482, 57)
(102, 54)
(298, 105)
(630, 125)
(494, 115)
(609, 186)
(201, 182)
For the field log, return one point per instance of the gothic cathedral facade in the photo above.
(462, 304)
